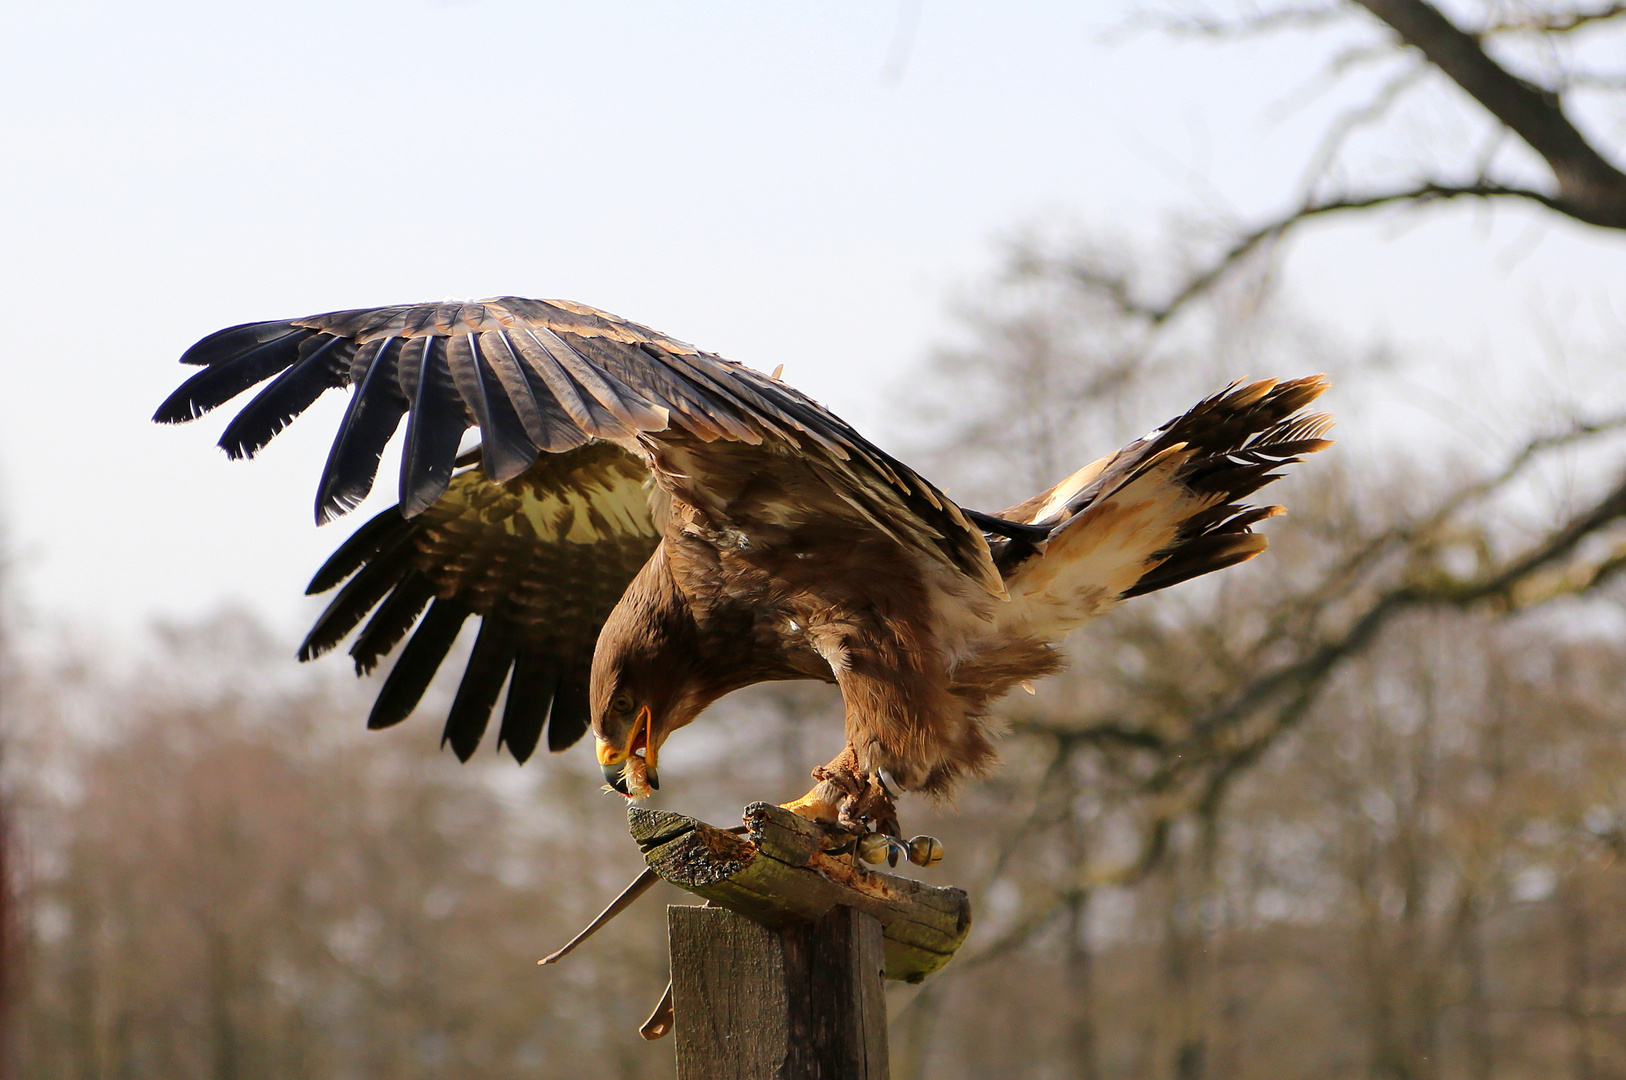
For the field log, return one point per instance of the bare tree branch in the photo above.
(1214, 737)
(1562, 22)
(1587, 185)
(1291, 17)
(1099, 733)
(1121, 292)
(1590, 187)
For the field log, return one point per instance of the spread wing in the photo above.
(539, 377)
(539, 559)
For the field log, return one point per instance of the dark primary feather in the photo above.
(391, 621)
(323, 364)
(383, 570)
(571, 707)
(505, 448)
(234, 342)
(483, 678)
(589, 399)
(361, 546)
(1011, 530)
(270, 347)
(530, 693)
(547, 423)
(434, 429)
(418, 662)
(375, 411)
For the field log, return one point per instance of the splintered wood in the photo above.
(778, 874)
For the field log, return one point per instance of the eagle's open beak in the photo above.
(631, 771)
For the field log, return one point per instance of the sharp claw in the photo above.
(613, 776)
(653, 780)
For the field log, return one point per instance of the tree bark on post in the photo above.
(799, 1003)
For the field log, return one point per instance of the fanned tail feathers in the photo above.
(1167, 507)
(1237, 442)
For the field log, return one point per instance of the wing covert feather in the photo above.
(539, 377)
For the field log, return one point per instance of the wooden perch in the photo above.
(778, 874)
(804, 1002)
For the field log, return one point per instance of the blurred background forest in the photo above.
(1354, 809)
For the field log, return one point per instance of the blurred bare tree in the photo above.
(224, 877)
(222, 883)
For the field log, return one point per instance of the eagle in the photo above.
(640, 528)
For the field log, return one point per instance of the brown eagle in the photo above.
(645, 527)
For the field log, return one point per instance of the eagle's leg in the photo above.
(848, 798)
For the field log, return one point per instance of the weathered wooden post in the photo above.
(779, 976)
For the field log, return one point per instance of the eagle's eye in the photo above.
(621, 704)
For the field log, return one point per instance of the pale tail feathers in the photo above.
(1164, 509)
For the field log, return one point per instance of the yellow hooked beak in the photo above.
(631, 770)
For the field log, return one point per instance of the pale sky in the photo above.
(742, 175)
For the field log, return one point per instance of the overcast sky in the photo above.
(763, 179)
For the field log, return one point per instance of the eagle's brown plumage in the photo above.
(646, 527)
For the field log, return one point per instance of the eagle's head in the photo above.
(649, 679)
(635, 706)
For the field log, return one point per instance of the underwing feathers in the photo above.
(530, 692)
(416, 666)
(540, 560)
(483, 678)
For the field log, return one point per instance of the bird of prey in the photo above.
(643, 527)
